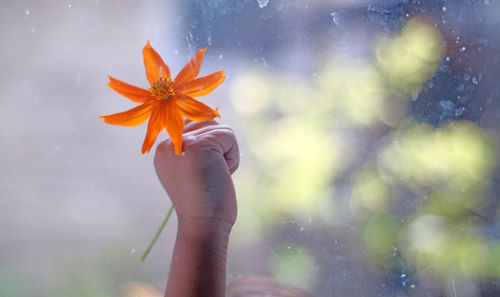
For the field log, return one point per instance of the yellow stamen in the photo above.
(162, 88)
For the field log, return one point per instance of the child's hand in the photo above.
(199, 182)
(200, 187)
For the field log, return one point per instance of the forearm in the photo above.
(198, 266)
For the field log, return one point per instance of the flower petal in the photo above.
(194, 110)
(201, 86)
(131, 117)
(136, 94)
(174, 123)
(191, 70)
(155, 67)
(155, 125)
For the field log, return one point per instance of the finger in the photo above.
(191, 126)
(226, 141)
(205, 129)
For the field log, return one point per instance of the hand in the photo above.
(200, 187)
(199, 182)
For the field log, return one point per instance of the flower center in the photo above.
(162, 88)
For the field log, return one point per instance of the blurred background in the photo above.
(368, 130)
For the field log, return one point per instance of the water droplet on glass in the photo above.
(194, 24)
(27, 12)
(475, 80)
(335, 17)
(263, 3)
(447, 105)
(448, 59)
(414, 95)
(220, 56)
(288, 247)
(403, 275)
(462, 49)
(132, 251)
(412, 286)
(444, 8)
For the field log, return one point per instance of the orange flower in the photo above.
(168, 101)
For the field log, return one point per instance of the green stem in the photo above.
(165, 220)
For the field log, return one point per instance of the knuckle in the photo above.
(162, 149)
(227, 132)
(227, 127)
(163, 146)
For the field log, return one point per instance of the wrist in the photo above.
(212, 231)
(208, 242)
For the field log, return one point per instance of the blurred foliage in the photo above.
(351, 89)
(455, 156)
(293, 265)
(410, 58)
(370, 194)
(449, 249)
(298, 136)
(381, 233)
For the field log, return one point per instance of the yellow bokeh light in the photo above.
(380, 233)
(293, 265)
(369, 192)
(251, 92)
(351, 89)
(410, 59)
(300, 162)
(457, 156)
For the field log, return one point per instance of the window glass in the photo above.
(368, 133)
